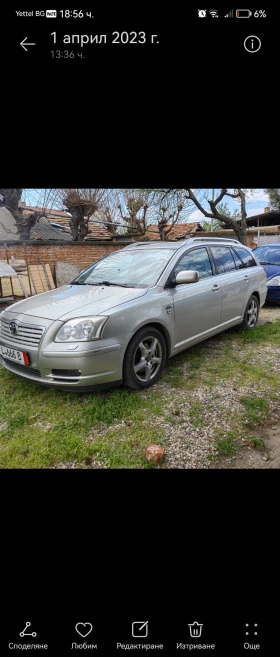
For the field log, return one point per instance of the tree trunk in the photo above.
(78, 222)
(240, 231)
(11, 199)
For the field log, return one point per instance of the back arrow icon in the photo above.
(26, 44)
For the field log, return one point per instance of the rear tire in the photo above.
(144, 359)
(251, 314)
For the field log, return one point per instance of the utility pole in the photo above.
(212, 220)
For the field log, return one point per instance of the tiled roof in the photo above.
(44, 231)
(59, 216)
(97, 232)
(178, 231)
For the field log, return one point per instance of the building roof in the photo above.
(97, 232)
(43, 230)
(178, 231)
(61, 216)
(264, 219)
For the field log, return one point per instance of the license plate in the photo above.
(15, 355)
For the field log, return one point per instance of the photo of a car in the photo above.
(269, 257)
(121, 318)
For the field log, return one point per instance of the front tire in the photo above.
(251, 313)
(144, 359)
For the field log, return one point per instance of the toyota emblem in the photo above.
(13, 327)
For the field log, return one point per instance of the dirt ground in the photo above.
(269, 457)
(250, 457)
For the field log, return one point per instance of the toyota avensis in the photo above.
(121, 318)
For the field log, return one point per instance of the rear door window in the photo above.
(223, 259)
(238, 262)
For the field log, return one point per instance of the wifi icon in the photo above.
(213, 13)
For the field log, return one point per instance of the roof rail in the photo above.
(149, 243)
(180, 243)
(210, 239)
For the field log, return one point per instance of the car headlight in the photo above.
(274, 281)
(82, 329)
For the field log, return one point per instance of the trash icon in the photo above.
(195, 629)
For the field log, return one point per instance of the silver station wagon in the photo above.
(121, 318)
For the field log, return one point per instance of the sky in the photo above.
(257, 200)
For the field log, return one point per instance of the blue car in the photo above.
(269, 257)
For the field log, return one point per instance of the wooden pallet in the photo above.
(40, 277)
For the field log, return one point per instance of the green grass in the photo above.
(256, 442)
(124, 448)
(42, 427)
(257, 409)
(226, 443)
(269, 332)
(196, 415)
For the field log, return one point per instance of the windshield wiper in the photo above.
(109, 283)
(100, 283)
(103, 283)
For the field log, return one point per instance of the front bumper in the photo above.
(76, 366)
(273, 293)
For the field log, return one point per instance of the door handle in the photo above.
(216, 287)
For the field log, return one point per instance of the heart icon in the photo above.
(83, 629)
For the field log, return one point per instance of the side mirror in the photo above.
(190, 276)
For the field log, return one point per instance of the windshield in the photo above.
(268, 255)
(131, 268)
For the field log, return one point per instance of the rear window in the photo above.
(245, 256)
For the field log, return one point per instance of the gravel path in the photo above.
(193, 448)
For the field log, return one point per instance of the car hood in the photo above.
(271, 270)
(71, 301)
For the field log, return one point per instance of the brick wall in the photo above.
(81, 254)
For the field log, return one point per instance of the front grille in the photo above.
(27, 334)
(17, 367)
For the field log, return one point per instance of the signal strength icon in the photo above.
(230, 14)
(214, 13)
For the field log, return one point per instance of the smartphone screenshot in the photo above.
(139, 329)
